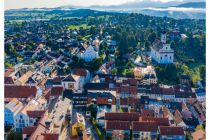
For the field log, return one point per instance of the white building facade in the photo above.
(161, 52)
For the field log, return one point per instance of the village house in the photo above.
(144, 130)
(199, 111)
(10, 110)
(76, 80)
(23, 79)
(178, 119)
(20, 92)
(51, 124)
(118, 129)
(147, 75)
(30, 114)
(171, 133)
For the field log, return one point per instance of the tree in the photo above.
(152, 37)
(114, 71)
(202, 71)
(93, 109)
(7, 65)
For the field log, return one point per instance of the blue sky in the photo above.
(15, 4)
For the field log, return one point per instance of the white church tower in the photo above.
(163, 38)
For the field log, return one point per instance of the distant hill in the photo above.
(193, 5)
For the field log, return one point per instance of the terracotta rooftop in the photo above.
(8, 80)
(117, 125)
(56, 91)
(147, 113)
(132, 116)
(35, 113)
(13, 91)
(129, 101)
(144, 126)
(29, 130)
(79, 72)
(159, 121)
(171, 131)
(50, 136)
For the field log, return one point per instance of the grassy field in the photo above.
(84, 26)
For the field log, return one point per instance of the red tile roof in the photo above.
(29, 130)
(56, 91)
(14, 91)
(171, 131)
(47, 95)
(128, 89)
(50, 136)
(127, 101)
(101, 101)
(35, 113)
(9, 72)
(147, 113)
(159, 121)
(125, 116)
(57, 80)
(144, 126)
(79, 72)
(8, 80)
(117, 125)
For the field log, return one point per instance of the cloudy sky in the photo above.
(16, 4)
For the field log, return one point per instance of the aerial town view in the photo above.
(104, 70)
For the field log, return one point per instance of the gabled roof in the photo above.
(35, 113)
(79, 72)
(14, 105)
(29, 130)
(178, 117)
(8, 80)
(144, 126)
(68, 78)
(57, 80)
(117, 125)
(13, 91)
(171, 131)
(159, 121)
(125, 116)
(56, 91)
(51, 136)
(147, 113)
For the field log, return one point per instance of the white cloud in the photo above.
(179, 9)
